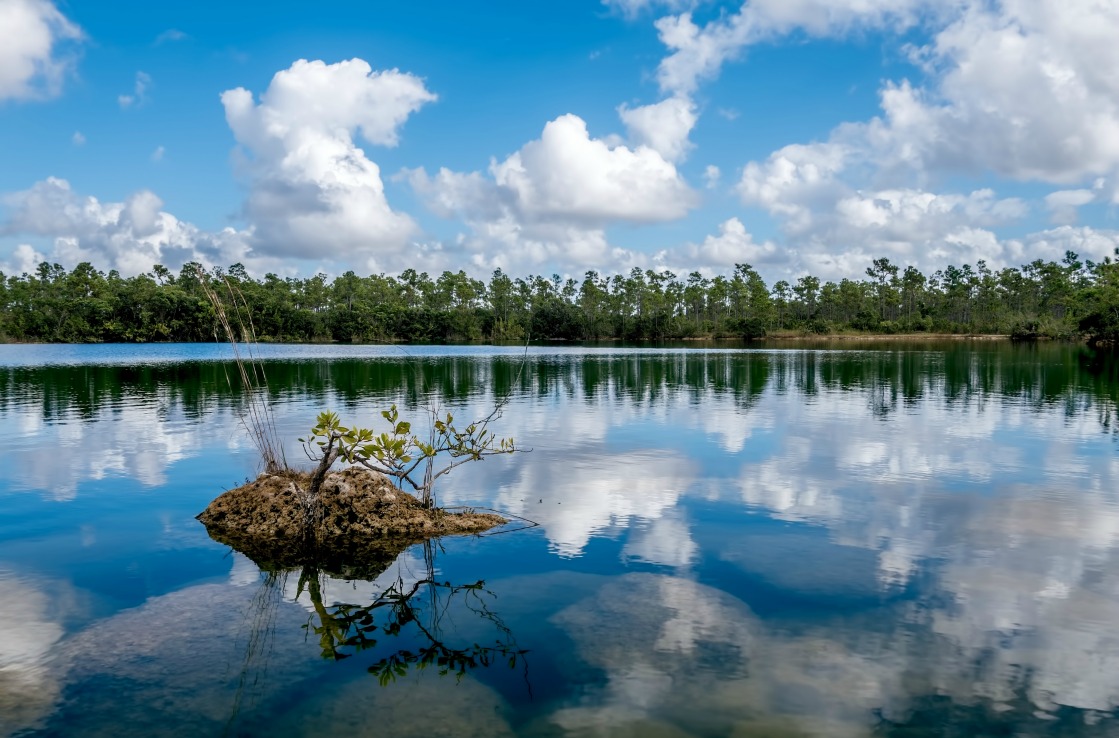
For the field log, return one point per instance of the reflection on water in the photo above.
(255, 655)
(806, 543)
(30, 631)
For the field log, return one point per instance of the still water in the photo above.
(900, 540)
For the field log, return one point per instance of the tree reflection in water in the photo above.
(417, 610)
(410, 624)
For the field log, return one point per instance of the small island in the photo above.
(363, 521)
(354, 519)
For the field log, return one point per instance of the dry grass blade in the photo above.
(257, 415)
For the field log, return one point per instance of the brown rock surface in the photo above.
(365, 521)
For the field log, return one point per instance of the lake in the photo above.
(825, 540)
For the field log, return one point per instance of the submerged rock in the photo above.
(364, 522)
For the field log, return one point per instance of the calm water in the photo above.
(896, 541)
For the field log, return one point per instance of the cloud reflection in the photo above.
(689, 659)
(30, 630)
(574, 499)
(132, 441)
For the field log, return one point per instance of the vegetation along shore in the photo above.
(1071, 299)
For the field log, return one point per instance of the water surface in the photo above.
(884, 540)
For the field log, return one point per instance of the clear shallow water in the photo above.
(882, 541)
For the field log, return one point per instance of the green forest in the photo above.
(1074, 299)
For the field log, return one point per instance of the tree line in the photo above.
(1070, 299)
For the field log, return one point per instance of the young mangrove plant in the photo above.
(399, 453)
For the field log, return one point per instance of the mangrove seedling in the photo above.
(401, 454)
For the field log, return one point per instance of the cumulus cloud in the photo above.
(698, 52)
(313, 193)
(912, 226)
(312, 189)
(1017, 87)
(36, 41)
(567, 175)
(128, 236)
(908, 215)
(553, 198)
(664, 127)
(720, 252)
(835, 228)
(795, 182)
(1052, 244)
(23, 260)
(1022, 87)
(564, 177)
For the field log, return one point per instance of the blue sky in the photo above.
(795, 135)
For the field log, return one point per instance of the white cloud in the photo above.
(719, 253)
(1020, 88)
(550, 201)
(908, 215)
(699, 52)
(564, 177)
(23, 260)
(1051, 245)
(314, 194)
(909, 226)
(312, 189)
(664, 127)
(1063, 204)
(567, 175)
(1017, 87)
(835, 228)
(1023, 87)
(517, 247)
(128, 236)
(139, 94)
(34, 58)
(795, 182)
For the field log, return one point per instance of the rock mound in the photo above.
(362, 520)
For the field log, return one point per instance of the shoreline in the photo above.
(896, 337)
(773, 337)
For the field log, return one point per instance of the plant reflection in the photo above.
(345, 630)
(425, 615)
